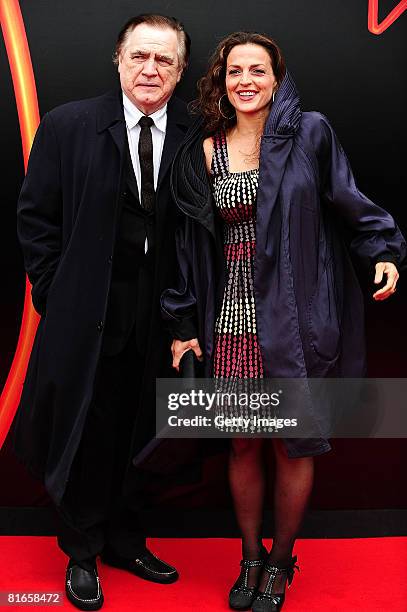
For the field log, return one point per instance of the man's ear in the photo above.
(119, 61)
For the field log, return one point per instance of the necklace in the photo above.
(249, 157)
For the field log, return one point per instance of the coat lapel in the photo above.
(276, 307)
(277, 142)
(111, 118)
(178, 122)
(118, 133)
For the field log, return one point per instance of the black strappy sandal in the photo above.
(241, 596)
(267, 601)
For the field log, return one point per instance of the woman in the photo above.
(267, 287)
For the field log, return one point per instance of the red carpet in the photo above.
(335, 575)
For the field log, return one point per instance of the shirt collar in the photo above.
(132, 115)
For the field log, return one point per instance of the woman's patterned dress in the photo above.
(236, 352)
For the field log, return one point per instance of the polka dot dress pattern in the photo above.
(237, 352)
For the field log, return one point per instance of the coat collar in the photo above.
(285, 115)
(110, 110)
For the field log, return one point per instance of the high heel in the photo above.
(267, 601)
(241, 596)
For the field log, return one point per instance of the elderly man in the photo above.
(96, 224)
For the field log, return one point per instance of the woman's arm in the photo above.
(178, 305)
(377, 240)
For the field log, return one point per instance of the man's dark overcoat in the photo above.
(67, 218)
(309, 306)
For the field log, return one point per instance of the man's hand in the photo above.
(178, 348)
(385, 267)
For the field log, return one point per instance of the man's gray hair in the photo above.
(158, 21)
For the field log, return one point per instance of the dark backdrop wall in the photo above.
(354, 77)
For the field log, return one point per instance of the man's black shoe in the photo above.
(145, 565)
(83, 588)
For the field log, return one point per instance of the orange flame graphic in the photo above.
(373, 16)
(25, 92)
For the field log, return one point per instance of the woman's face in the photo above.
(250, 79)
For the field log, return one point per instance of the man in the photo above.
(96, 224)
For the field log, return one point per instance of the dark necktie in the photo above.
(145, 152)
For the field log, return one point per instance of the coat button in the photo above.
(110, 259)
(100, 326)
(124, 194)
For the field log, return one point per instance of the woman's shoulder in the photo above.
(214, 141)
(208, 145)
(314, 122)
(315, 132)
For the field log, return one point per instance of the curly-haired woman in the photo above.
(267, 286)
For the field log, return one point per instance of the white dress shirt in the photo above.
(132, 115)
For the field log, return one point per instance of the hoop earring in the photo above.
(273, 97)
(220, 110)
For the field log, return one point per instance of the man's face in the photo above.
(149, 67)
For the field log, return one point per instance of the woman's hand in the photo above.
(179, 347)
(385, 267)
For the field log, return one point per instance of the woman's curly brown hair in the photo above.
(211, 87)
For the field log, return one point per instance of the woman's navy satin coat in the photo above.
(308, 301)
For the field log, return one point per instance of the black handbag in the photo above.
(167, 455)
